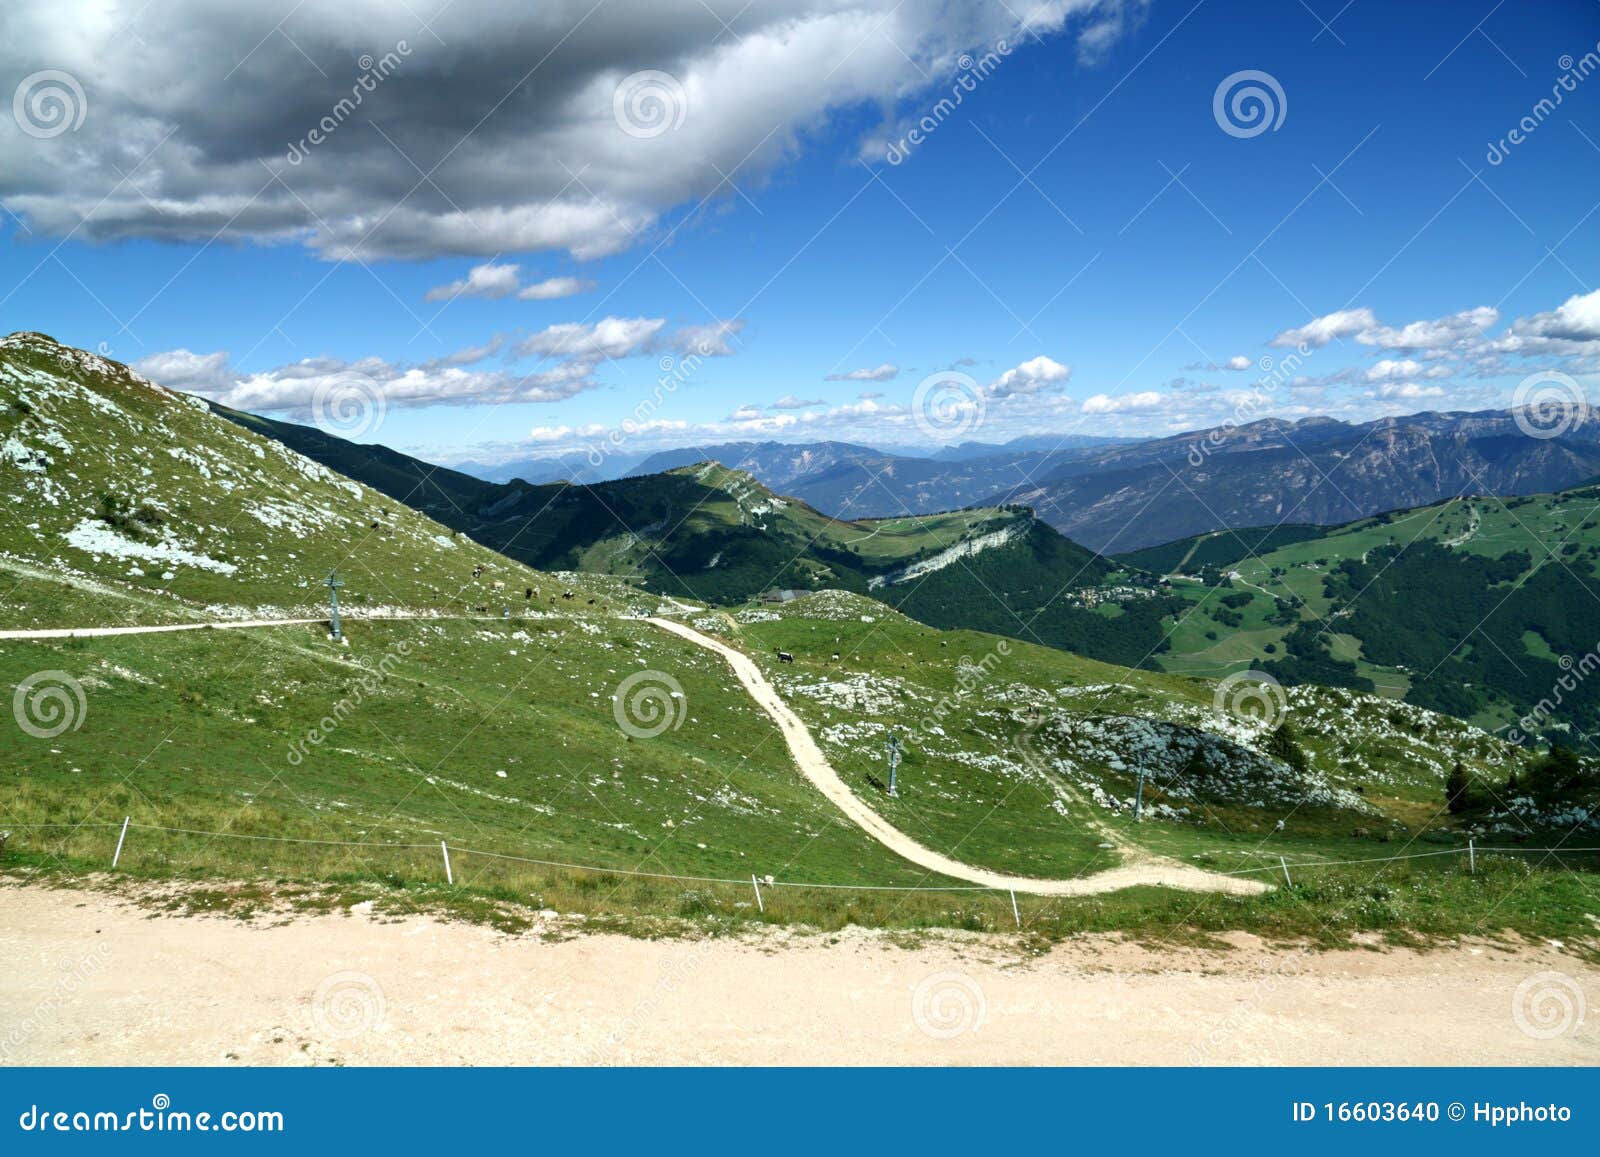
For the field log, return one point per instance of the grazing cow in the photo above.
(785, 657)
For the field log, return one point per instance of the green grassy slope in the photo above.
(1478, 607)
(503, 736)
(122, 486)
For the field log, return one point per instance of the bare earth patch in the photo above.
(87, 978)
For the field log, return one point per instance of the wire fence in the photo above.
(1470, 852)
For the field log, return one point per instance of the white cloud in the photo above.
(790, 402)
(499, 108)
(709, 340)
(1319, 331)
(1408, 391)
(886, 372)
(1239, 363)
(1030, 377)
(488, 281)
(1571, 328)
(181, 369)
(554, 287)
(1106, 404)
(1439, 334)
(610, 337)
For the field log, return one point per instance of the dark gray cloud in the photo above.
(473, 127)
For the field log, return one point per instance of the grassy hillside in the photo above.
(276, 759)
(714, 534)
(1479, 607)
(111, 483)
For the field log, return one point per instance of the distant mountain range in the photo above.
(1115, 496)
(1464, 606)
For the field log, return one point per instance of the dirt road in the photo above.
(87, 979)
(816, 768)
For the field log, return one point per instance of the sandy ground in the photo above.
(1145, 868)
(89, 979)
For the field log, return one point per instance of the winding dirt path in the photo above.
(816, 768)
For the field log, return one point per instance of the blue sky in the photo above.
(1081, 219)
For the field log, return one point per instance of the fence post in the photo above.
(1285, 865)
(1472, 858)
(117, 855)
(1016, 915)
(449, 876)
(756, 884)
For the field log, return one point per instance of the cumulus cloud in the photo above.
(554, 287)
(293, 389)
(1319, 331)
(1106, 404)
(710, 340)
(1408, 391)
(1030, 377)
(1573, 327)
(1439, 334)
(608, 338)
(1238, 363)
(488, 281)
(509, 112)
(790, 402)
(887, 372)
(1436, 336)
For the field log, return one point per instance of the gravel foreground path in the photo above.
(87, 978)
(1147, 869)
